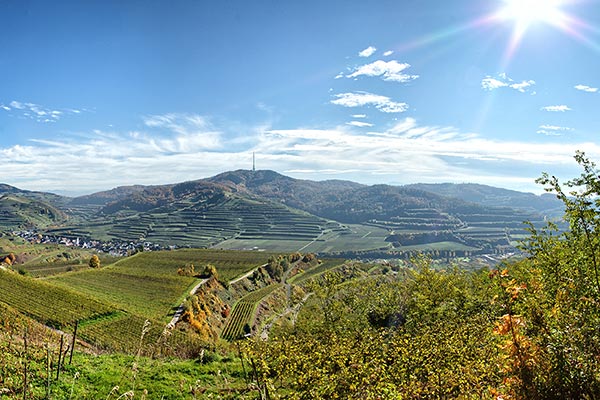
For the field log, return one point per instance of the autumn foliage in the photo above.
(526, 330)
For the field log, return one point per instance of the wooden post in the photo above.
(25, 369)
(48, 370)
(73, 344)
(62, 342)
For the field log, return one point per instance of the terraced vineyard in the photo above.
(202, 223)
(147, 284)
(123, 332)
(48, 304)
(243, 312)
(19, 212)
(326, 265)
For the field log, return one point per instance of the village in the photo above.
(113, 248)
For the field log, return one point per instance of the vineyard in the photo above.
(123, 333)
(148, 285)
(326, 265)
(48, 304)
(243, 312)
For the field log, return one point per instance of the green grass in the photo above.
(349, 238)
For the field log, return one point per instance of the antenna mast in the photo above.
(253, 162)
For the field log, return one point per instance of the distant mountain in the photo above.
(547, 203)
(108, 196)
(50, 198)
(343, 201)
(265, 209)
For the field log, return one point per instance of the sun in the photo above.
(528, 12)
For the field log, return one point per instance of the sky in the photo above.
(103, 93)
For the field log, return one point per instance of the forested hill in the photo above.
(351, 202)
(547, 204)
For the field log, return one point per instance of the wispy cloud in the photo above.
(361, 99)
(503, 81)
(359, 124)
(553, 130)
(359, 116)
(559, 108)
(37, 112)
(405, 152)
(388, 53)
(193, 132)
(368, 52)
(585, 88)
(389, 70)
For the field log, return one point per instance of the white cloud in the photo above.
(403, 153)
(560, 108)
(368, 52)
(390, 70)
(360, 99)
(490, 83)
(359, 116)
(359, 124)
(585, 88)
(388, 53)
(553, 130)
(339, 76)
(38, 113)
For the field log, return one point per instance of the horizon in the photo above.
(105, 94)
(78, 194)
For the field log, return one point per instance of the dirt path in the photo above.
(180, 309)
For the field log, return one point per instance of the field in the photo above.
(148, 285)
(336, 238)
(243, 312)
(326, 265)
(203, 223)
(48, 304)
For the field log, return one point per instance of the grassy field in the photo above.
(441, 246)
(342, 238)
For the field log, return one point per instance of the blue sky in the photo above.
(99, 94)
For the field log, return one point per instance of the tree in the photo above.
(210, 271)
(94, 262)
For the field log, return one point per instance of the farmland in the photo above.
(244, 310)
(147, 284)
(51, 305)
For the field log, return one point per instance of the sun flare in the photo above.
(528, 12)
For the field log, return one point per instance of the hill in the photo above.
(547, 204)
(266, 210)
(21, 212)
